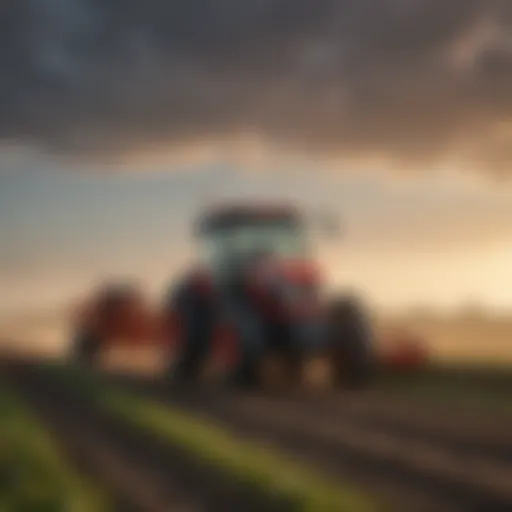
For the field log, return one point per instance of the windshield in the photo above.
(282, 241)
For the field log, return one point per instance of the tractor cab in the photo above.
(233, 237)
(267, 245)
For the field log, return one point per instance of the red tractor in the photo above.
(252, 308)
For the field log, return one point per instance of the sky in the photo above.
(429, 241)
(119, 118)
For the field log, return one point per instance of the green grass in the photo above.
(245, 463)
(33, 475)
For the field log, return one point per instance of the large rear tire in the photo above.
(353, 343)
(197, 317)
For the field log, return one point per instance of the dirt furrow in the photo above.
(464, 436)
(430, 454)
(141, 473)
(428, 469)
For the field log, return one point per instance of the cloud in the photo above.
(413, 82)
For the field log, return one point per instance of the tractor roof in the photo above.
(230, 215)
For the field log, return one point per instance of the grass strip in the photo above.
(34, 477)
(241, 461)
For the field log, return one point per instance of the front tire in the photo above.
(197, 317)
(354, 347)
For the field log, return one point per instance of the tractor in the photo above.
(255, 304)
(252, 310)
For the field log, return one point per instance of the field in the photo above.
(33, 475)
(479, 339)
(411, 443)
(432, 441)
(452, 338)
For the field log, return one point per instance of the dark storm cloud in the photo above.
(412, 80)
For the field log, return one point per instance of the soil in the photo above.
(138, 471)
(414, 458)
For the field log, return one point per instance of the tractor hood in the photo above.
(290, 271)
(287, 287)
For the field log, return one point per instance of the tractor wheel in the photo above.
(354, 355)
(86, 348)
(194, 348)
